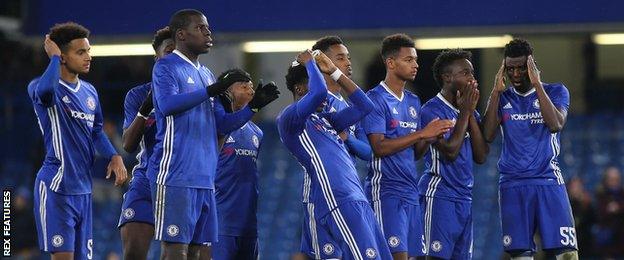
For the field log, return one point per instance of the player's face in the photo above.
(517, 71)
(461, 73)
(242, 93)
(166, 47)
(76, 57)
(197, 35)
(339, 55)
(405, 64)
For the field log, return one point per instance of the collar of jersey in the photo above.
(383, 84)
(441, 97)
(339, 97)
(525, 94)
(196, 66)
(69, 87)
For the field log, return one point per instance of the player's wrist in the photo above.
(336, 74)
(141, 115)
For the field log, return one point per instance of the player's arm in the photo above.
(221, 141)
(467, 100)
(49, 80)
(383, 146)
(228, 122)
(105, 148)
(133, 133)
(362, 105)
(358, 144)
(167, 95)
(317, 89)
(491, 120)
(375, 126)
(480, 147)
(554, 117)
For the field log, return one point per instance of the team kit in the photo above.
(195, 186)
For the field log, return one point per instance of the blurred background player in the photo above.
(136, 222)
(446, 185)
(392, 129)
(70, 119)
(188, 121)
(236, 182)
(335, 200)
(337, 52)
(533, 197)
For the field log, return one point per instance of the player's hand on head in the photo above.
(223, 83)
(264, 94)
(226, 100)
(117, 167)
(324, 63)
(437, 127)
(304, 57)
(534, 72)
(499, 80)
(147, 105)
(50, 47)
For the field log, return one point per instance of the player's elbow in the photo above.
(489, 135)
(450, 156)
(379, 151)
(128, 146)
(556, 128)
(480, 159)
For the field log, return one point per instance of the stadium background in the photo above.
(569, 48)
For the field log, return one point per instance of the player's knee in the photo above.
(521, 255)
(174, 251)
(133, 253)
(62, 256)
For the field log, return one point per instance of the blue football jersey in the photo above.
(68, 126)
(335, 103)
(330, 177)
(132, 103)
(393, 175)
(186, 150)
(236, 182)
(442, 178)
(530, 150)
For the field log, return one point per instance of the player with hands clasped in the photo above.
(446, 185)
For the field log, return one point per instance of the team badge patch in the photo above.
(394, 241)
(91, 103)
(536, 104)
(436, 246)
(57, 240)
(506, 240)
(412, 112)
(371, 253)
(173, 230)
(128, 213)
(328, 249)
(255, 141)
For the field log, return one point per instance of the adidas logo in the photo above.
(229, 140)
(190, 80)
(394, 111)
(332, 110)
(66, 99)
(507, 106)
